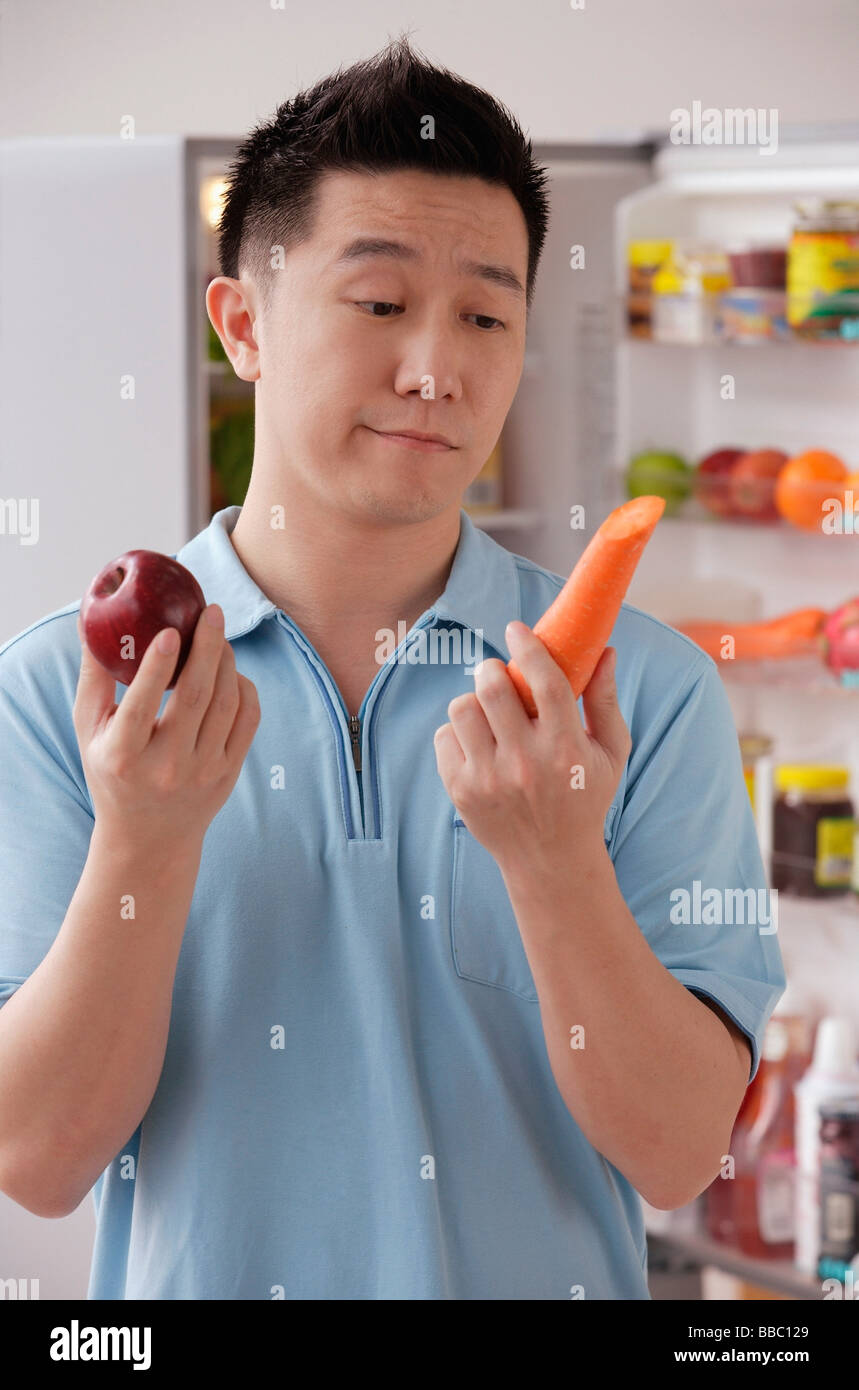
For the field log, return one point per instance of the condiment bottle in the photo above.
(813, 831)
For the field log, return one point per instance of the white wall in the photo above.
(215, 67)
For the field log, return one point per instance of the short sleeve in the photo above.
(46, 817)
(686, 854)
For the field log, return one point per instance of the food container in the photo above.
(644, 259)
(762, 267)
(686, 294)
(823, 271)
(753, 315)
(813, 831)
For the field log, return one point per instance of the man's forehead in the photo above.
(363, 213)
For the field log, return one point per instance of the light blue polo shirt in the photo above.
(356, 1100)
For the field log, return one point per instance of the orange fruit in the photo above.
(805, 483)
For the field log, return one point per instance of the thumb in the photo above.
(95, 693)
(605, 721)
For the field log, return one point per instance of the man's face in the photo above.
(385, 343)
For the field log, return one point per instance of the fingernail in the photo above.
(214, 615)
(168, 641)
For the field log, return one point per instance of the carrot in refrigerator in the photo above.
(576, 627)
(793, 634)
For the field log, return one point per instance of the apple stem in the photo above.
(111, 582)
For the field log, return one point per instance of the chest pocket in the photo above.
(485, 939)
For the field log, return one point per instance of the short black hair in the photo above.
(370, 118)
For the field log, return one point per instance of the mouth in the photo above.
(410, 441)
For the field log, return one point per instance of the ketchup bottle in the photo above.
(755, 1211)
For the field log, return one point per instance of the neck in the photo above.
(338, 576)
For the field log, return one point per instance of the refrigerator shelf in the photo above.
(508, 519)
(780, 1276)
(794, 341)
(803, 675)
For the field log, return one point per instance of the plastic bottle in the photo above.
(721, 1202)
(754, 1210)
(765, 1184)
(832, 1076)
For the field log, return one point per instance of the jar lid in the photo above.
(648, 252)
(669, 280)
(713, 280)
(810, 777)
(829, 212)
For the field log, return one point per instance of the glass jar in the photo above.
(644, 259)
(823, 271)
(813, 831)
(687, 292)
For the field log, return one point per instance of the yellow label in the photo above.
(834, 852)
(819, 264)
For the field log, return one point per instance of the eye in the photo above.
(374, 303)
(385, 304)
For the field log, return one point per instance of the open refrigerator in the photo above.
(598, 391)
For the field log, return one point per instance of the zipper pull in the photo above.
(355, 735)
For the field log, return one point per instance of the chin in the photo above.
(403, 507)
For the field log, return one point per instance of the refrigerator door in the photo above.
(92, 362)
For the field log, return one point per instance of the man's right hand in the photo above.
(162, 781)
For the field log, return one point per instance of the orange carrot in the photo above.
(794, 634)
(576, 627)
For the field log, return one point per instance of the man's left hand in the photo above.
(534, 792)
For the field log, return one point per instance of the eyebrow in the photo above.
(365, 248)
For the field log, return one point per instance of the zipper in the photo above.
(355, 735)
(353, 724)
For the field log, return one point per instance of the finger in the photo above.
(471, 728)
(499, 699)
(246, 722)
(449, 756)
(605, 722)
(138, 708)
(186, 708)
(96, 692)
(223, 708)
(552, 692)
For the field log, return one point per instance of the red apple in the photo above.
(840, 638)
(752, 484)
(133, 599)
(711, 480)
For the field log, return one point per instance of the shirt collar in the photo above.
(482, 590)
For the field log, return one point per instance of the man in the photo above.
(399, 1008)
